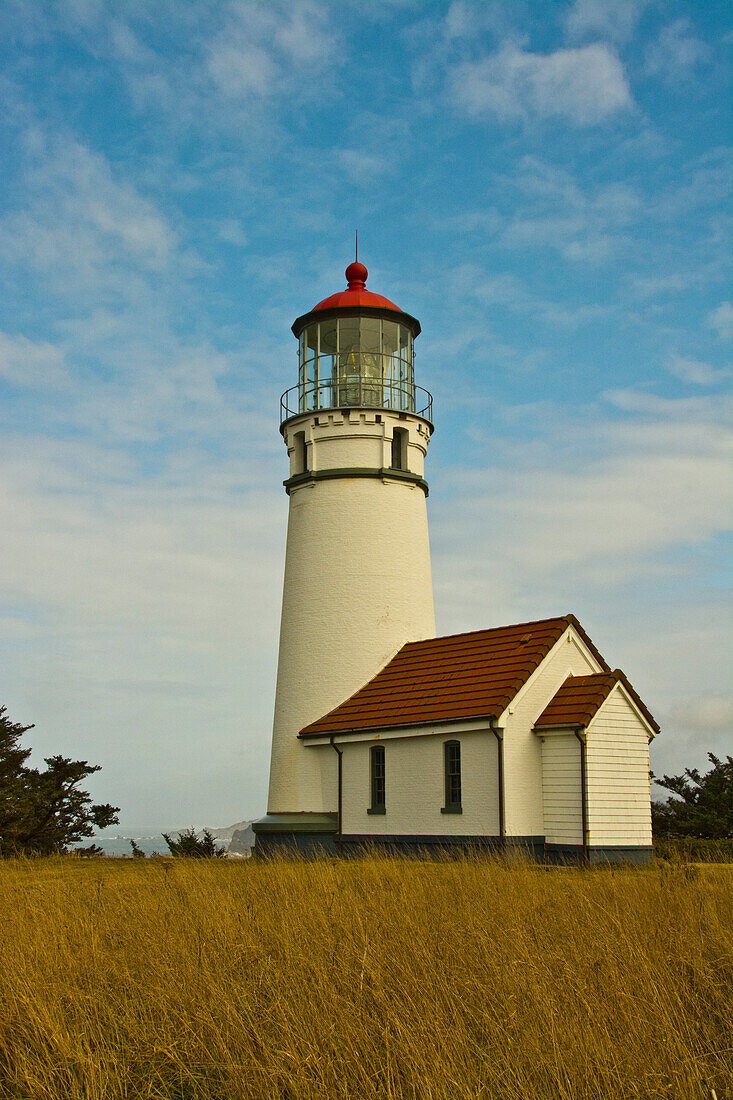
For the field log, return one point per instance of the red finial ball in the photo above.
(356, 275)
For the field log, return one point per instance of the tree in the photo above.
(42, 812)
(703, 806)
(189, 844)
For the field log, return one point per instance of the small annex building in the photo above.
(515, 736)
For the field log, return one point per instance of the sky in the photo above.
(542, 184)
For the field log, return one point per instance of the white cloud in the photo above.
(486, 221)
(505, 288)
(460, 21)
(721, 319)
(82, 227)
(572, 236)
(582, 223)
(232, 231)
(612, 19)
(109, 268)
(362, 167)
(676, 53)
(128, 47)
(692, 727)
(704, 183)
(708, 714)
(262, 47)
(37, 365)
(584, 85)
(690, 277)
(305, 37)
(148, 608)
(694, 372)
(465, 20)
(214, 68)
(598, 501)
(242, 69)
(152, 385)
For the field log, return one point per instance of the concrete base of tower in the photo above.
(298, 834)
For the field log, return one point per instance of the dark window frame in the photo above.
(452, 779)
(377, 780)
(301, 453)
(398, 453)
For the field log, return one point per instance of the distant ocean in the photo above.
(120, 845)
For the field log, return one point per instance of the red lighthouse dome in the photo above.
(355, 298)
(356, 293)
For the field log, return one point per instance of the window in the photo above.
(308, 374)
(407, 395)
(300, 456)
(356, 360)
(399, 449)
(452, 764)
(376, 776)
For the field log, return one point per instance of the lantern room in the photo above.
(356, 350)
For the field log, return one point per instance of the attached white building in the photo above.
(384, 734)
(520, 736)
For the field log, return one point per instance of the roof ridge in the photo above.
(583, 702)
(491, 629)
(615, 674)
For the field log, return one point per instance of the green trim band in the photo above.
(315, 823)
(385, 472)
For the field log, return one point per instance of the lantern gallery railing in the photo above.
(356, 392)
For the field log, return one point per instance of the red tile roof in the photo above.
(578, 700)
(443, 679)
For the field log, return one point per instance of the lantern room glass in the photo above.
(356, 361)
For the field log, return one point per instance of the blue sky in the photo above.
(543, 185)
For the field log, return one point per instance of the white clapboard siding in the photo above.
(619, 807)
(561, 789)
(522, 747)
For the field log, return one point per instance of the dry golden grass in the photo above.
(378, 978)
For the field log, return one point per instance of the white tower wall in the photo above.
(357, 581)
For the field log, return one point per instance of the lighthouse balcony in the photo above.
(357, 392)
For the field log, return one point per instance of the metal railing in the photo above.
(359, 393)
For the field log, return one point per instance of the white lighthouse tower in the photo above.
(357, 568)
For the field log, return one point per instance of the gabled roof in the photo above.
(580, 698)
(473, 675)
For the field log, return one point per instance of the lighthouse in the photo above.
(386, 736)
(357, 582)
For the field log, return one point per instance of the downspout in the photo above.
(583, 790)
(339, 842)
(499, 735)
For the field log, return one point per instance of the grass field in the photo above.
(378, 978)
